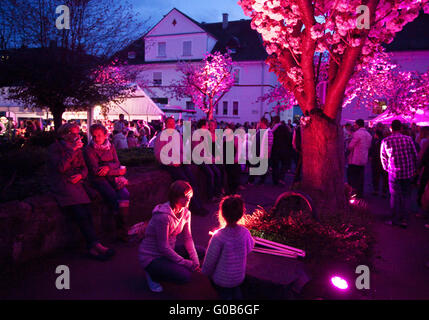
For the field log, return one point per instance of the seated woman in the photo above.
(158, 253)
(67, 170)
(106, 175)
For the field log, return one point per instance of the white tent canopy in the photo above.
(137, 107)
(420, 118)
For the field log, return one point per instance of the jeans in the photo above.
(400, 192)
(163, 269)
(228, 293)
(81, 214)
(280, 164)
(111, 195)
(355, 178)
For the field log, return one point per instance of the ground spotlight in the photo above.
(339, 283)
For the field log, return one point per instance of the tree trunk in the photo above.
(323, 164)
(57, 113)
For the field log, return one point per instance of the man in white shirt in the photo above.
(358, 157)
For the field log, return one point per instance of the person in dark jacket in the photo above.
(67, 171)
(107, 176)
(281, 151)
(377, 170)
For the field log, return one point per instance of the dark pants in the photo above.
(163, 269)
(263, 177)
(355, 178)
(233, 172)
(298, 169)
(81, 214)
(378, 174)
(280, 164)
(422, 185)
(228, 293)
(400, 192)
(183, 172)
(214, 179)
(111, 195)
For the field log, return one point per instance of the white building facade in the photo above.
(178, 37)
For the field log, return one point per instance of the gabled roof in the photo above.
(414, 36)
(239, 36)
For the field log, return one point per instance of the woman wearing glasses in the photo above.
(158, 253)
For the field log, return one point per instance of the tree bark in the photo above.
(57, 113)
(323, 164)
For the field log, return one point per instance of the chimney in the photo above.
(224, 21)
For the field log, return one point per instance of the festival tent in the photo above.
(137, 107)
(420, 118)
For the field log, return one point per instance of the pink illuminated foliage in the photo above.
(205, 83)
(404, 92)
(294, 31)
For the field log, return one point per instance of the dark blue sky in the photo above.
(199, 10)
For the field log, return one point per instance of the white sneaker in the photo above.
(153, 286)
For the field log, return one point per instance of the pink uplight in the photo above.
(339, 283)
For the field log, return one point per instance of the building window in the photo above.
(131, 55)
(160, 101)
(187, 48)
(236, 73)
(190, 105)
(162, 49)
(225, 107)
(157, 78)
(235, 108)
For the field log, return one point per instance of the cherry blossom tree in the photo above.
(205, 83)
(404, 92)
(351, 32)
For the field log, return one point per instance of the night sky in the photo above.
(200, 10)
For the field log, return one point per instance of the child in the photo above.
(225, 260)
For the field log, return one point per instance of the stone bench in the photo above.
(36, 226)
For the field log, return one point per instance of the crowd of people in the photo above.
(398, 155)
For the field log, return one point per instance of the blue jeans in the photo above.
(163, 269)
(400, 192)
(111, 195)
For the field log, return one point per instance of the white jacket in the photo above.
(359, 146)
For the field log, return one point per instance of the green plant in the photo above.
(135, 156)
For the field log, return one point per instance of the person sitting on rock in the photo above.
(158, 254)
(107, 176)
(67, 170)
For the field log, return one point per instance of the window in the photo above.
(157, 78)
(187, 48)
(162, 49)
(160, 100)
(131, 55)
(236, 73)
(225, 107)
(190, 105)
(235, 108)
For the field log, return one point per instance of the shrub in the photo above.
(136, 156)
(346, 238)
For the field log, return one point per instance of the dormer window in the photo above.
(131, 55)
(187, 48)
(162, 49)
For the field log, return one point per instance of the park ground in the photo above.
(398, 270)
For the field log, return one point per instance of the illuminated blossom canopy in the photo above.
(294, 31)
(206, 83)
(405, 92)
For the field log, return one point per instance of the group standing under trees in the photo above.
(294, 31)
(59, 69)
